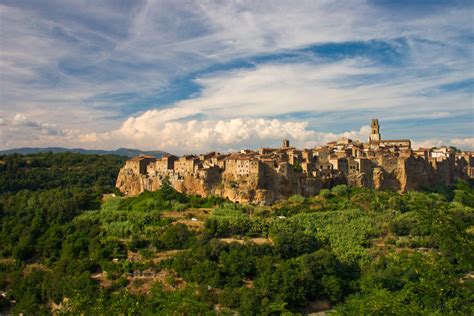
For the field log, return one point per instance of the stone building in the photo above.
(242, 165)
(139, 164)
(375, 136)
(185, 165)
(165, 165)
(340, 164)
(375, 139)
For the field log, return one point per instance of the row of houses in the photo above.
(344, 155)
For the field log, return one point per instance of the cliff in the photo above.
(398, 174)
(258, 189)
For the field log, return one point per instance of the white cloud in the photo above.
(150, 131)
(427, 143)
(21, 121)
(464, 143)
(20, 131)
(461, 143)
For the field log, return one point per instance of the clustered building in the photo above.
(271, 173)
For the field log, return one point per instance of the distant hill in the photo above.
(121, 151)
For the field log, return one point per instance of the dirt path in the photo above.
(257, 241)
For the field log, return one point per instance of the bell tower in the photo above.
(375, 136)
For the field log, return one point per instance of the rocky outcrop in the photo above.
(413, 173)
(130, 183)
(409, 174)
(264, 188)
(276, 182)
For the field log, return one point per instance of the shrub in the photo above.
(297, 199)
(137, 242)
(325, 193)
(340, 190)
(176, 236)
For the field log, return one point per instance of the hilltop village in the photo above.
(269, 174)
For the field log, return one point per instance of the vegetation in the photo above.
(69, 247)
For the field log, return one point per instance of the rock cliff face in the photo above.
(130, 183)
(414, 173)
(409, 174)
(258, 189)
(396, 173)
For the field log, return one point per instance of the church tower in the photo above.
(375, 134)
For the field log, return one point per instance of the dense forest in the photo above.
(70, 244)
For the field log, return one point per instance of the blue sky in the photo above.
(192, 76)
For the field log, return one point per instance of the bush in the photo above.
(297, 199)
(137, 243)
(403, 224)
(176, 236)
(325, 193)
(290, 240)
(340, 190)
(23, 250)
(146, 253)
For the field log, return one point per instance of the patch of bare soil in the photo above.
(160, 256)
(142, 282)
(108, 196)
(318, 307)
(248, 283)
(257, 240)
(7, 261)
(196, 225)
(134, 256)
(198, 213)
(102, 279)
(55, 308)
(35, 266)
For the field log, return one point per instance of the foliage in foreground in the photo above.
(362, 251)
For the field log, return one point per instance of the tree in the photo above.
(290, 241)
(176, 236)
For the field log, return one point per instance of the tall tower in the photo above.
(286, 143)
(375, 136)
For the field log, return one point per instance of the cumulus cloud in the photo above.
(20, 121)
(20, 131)
(428, 143)
(461, 143)
(464, 143)
(151, 131)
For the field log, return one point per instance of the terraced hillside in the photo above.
(70, 248)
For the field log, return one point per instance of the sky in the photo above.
(196, 76)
